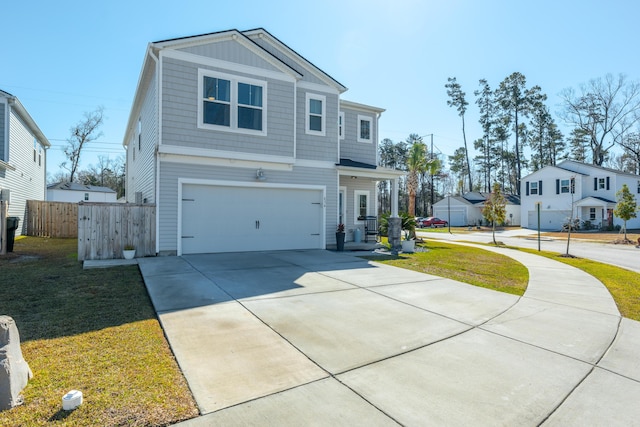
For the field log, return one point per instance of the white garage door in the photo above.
(549, 220)
(235, 219)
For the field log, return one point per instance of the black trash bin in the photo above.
(12, 226)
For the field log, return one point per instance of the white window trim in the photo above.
(341, 125)
(356, 206)
(568, 186)
(366, 119)
(233, 119)
(531, 188)
(323, 99)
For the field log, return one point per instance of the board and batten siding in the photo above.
(27, 181)
(230, 51)
(306, 76)
(171, 172)
(180, 99)
(314, 147)
(141, 165)
(350, 148)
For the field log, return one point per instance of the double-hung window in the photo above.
(533, 189)
(365, 128)
(341, 125)
(565, 185)
(315, 118)
(232, 103)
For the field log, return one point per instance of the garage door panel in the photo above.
(229, 219)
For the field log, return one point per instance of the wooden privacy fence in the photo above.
(104, 229)
(51, 219)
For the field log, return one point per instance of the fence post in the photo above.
(4, 211)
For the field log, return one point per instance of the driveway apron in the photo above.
(322, 338)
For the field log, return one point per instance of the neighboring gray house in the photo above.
(593, 198)
(22, 157)
(244, 145)
(467, 209)
(74, 193)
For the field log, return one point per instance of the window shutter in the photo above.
(557, 186)
(595, 184)
(527, 193)
(607, 183)
(540, 188)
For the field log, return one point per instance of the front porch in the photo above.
(595, 212)
(358, 199)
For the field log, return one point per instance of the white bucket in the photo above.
(71, 400)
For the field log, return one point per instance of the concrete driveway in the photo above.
(325, 338)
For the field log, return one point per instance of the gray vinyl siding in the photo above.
(141, 171)
(352, 185)
(27, 181)
(230, 51)
(312, 147)
(168, 203)
(307, 76)
(350, 148)
(2, 128)
(180, 114)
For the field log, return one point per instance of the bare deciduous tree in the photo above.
(603, 110)
(82, 133)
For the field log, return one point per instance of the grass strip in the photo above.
(90, 330)
(465, 264)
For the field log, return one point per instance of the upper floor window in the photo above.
(232, 103)
(315, 115)
(565, 185)
(35, 148)
(533, 187)
(86, 196)
(341, 125)
(140, 133)
(365, 127)
(601, 183)
(638, 190)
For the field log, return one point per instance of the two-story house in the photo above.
(23, 160)
(244, 145)
(574, 190)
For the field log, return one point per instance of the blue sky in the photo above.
(67, 57)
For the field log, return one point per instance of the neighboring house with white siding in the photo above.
(467, 209)
(244, 145)
(593, 198)
(74, 192)
(22, 157)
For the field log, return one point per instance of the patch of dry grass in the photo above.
(91, 330)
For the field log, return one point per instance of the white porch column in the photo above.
(394, 198)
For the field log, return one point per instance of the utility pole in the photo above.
(431, 170)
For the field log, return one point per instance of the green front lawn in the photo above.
(624, 285)
(90, 330)
(465, 264)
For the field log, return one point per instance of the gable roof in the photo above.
(246, 38)
(74, 186)
(295, 56)
(17, 106)
(572, 165)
